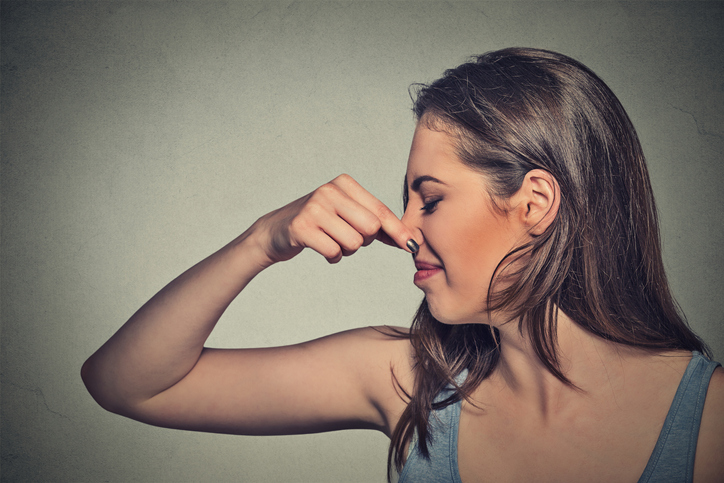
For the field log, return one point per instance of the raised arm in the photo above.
(156, 369)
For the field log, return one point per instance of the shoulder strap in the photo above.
(442, 467)
(673, 456)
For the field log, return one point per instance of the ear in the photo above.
(537, 201)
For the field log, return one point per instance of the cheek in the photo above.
(482, 244)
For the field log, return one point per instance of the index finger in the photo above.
(392, 231)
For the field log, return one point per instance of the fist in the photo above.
(335, 220)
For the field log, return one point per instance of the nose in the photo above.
(412, 221)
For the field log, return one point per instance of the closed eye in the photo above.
(430, 206)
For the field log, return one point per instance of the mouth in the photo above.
(425, 270)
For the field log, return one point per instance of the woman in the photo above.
(547, 334)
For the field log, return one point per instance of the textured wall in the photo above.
(139, 137)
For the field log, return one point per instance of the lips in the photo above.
(425, 265)
(425, 270)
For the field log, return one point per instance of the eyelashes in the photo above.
(430, 206)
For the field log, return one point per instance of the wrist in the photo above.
(248, 248)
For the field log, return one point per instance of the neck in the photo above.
(589, 363)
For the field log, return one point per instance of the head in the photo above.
(464, 232)
(531, 125)
(524, 116)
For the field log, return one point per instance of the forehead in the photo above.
(433, 154)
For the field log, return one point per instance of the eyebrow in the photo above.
(421, 179)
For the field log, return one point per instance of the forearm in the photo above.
(161, 343)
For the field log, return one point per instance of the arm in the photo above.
(156, 369)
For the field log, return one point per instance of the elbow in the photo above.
(91, 382)
(99, 387)
(84, 374)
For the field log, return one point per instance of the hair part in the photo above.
(599, 261)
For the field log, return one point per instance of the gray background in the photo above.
(137, 138)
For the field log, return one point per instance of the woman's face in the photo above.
(462, 237)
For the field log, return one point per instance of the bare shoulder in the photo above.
(709, 465)
(381, 348)
(382, 351)
(381, 358)
(390, 372)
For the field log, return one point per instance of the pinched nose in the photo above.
(411, 221)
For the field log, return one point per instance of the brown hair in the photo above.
(599, 261)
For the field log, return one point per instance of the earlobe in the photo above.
(541, 195)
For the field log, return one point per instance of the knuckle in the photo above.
(401, 233)
(297, 224)
(372, 227)
(333, 256)
(357, 242)
(343, 179)
(382, 212)
(314, 208)
(326, 190)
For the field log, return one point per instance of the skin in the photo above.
(460, 231)
(156, 369)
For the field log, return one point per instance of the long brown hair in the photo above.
(599, 262)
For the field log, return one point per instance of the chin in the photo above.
(448, 316)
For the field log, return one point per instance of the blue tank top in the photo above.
(671, 461)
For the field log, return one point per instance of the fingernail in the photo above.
(412, 245)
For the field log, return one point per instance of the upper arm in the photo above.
(709, 464)
(340, 381)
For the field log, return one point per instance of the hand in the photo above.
(334, 220)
